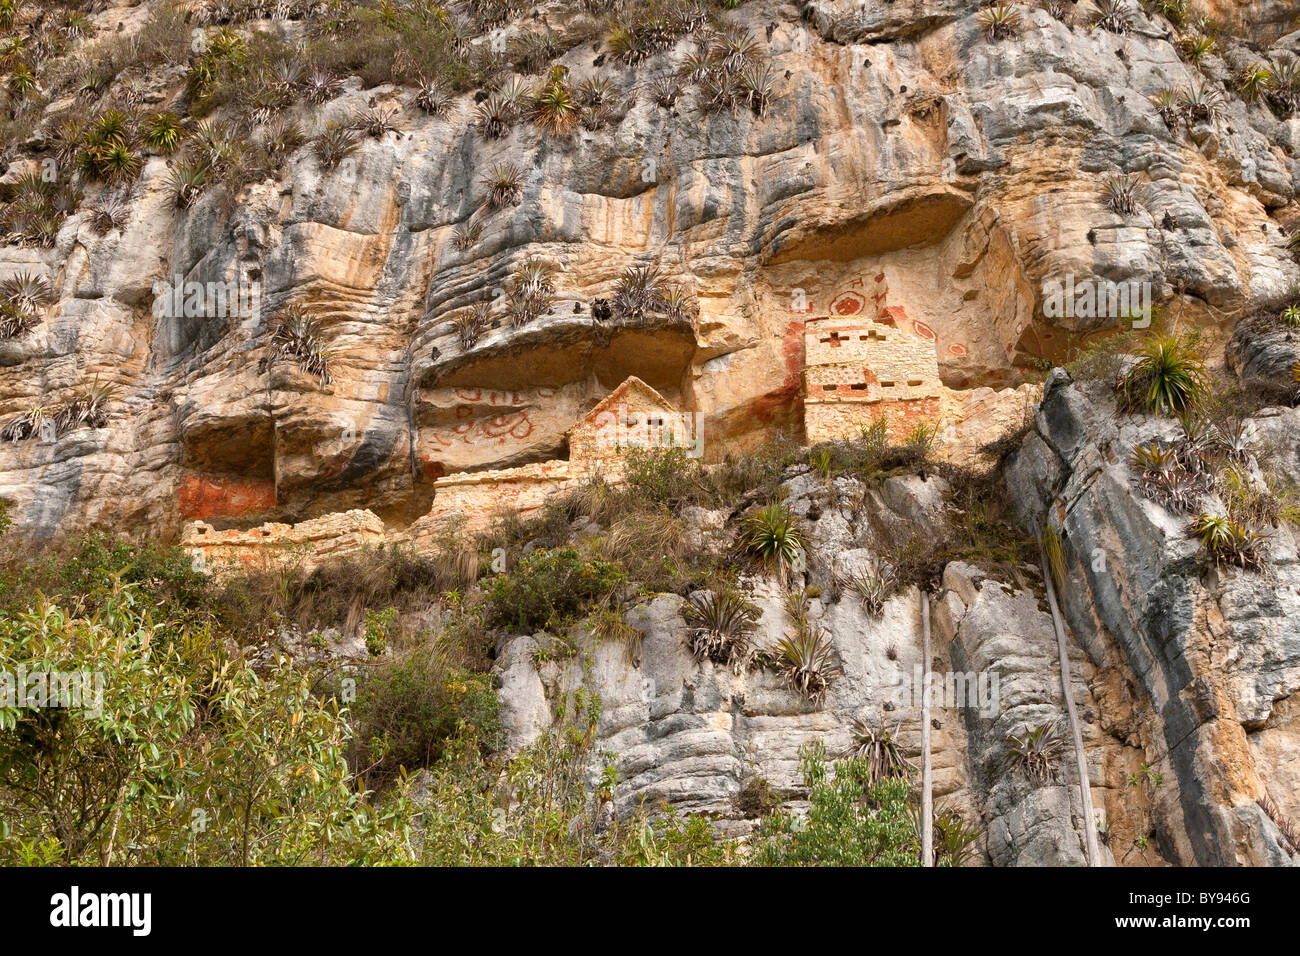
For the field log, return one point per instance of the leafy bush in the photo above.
(536, 809)
(550, 589)
(661, 476)
(185, 756)
(851, 820)
(83, 577)
(408, 709)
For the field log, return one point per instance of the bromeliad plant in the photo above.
(531, 292)
(1228, 541)
(297, 336)
(879, 748)
(555, 108)
(771, 535)
(335, 144)
(163, 132)
(39, 419)
(470, 325)
(505, 186)
(999, 21)
(89, 407)
(719, 626)
(1163, 479)
(874, 586)
(1034, 751)
(1122, 193)
(1113, 16)
(1169, 376)
(806, 656)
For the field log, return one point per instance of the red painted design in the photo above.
(213, 496)
(496, 430)
(922, 330)
(848, 303)
(959, 350)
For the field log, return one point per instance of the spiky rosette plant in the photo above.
(88, 407)
(335, 144)
(26, 292)
(1284, 85)
(470, 325)
(321, 86)
(376, 121)
(187, 181)
(163, 132)
(771, 535)
(806, 655)
(679, 305)
(999, 21)
(1226, 540)
(639, 293)
(432, 98)
(494, 115)
(38, 419)
(505, 185)
(555, 108)
(1034, 751)
(1169, 376)
(1200, 104)
(1114, 16)
(464, 237)
(879, 748)
(719, 626)
(755, 85)
(297, 336)
(1166, 102)
(15, 322)
(1122, 193)
(664, 89)
(873, 586)
(1196, 46)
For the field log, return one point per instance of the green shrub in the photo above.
(851, 821)
(537, 810)
(661, 476)
(407, 709)
(97, 563)
(182, 755)
(550, 590)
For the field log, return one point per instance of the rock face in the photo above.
(900, 143)
(908, 169)
(697, 736)
(1198, 667)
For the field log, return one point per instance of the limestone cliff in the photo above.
(879, 214)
